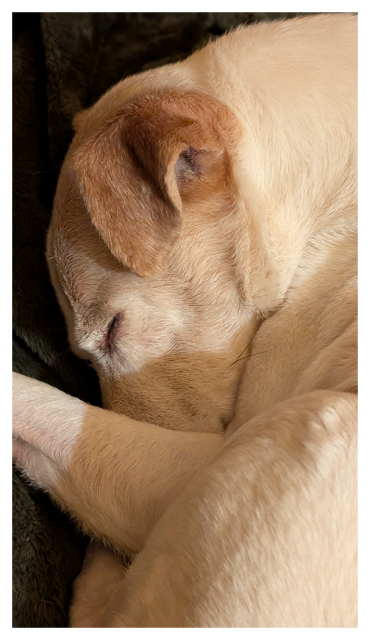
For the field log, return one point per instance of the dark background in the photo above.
(63, 62)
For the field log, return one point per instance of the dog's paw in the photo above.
(46, 422)
(37, 467)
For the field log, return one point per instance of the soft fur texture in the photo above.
(203, 251)
(62, 63)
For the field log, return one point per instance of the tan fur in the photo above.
(203, 249)
(137, 151)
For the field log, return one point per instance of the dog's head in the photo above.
(178, 220)
(143, 243)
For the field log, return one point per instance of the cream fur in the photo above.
(220, 312)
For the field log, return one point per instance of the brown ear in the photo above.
(133, 172)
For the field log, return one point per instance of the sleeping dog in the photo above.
(203, 251)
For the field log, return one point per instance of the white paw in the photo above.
(46, 423)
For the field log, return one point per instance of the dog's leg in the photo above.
(97, 587)
(265, 536)
(116, 475)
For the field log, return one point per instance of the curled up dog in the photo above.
(203, 249)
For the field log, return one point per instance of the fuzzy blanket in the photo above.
(62, 63)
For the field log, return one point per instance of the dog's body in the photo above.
(203, 250)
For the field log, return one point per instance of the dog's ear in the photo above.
(136, 172)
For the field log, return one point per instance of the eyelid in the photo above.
(112, 329)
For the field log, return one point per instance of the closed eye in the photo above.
(111, 333)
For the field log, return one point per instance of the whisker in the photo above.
(244, 350)
(259, 353)
(63, 353)
(254, 354)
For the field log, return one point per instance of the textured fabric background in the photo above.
(61, 64)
